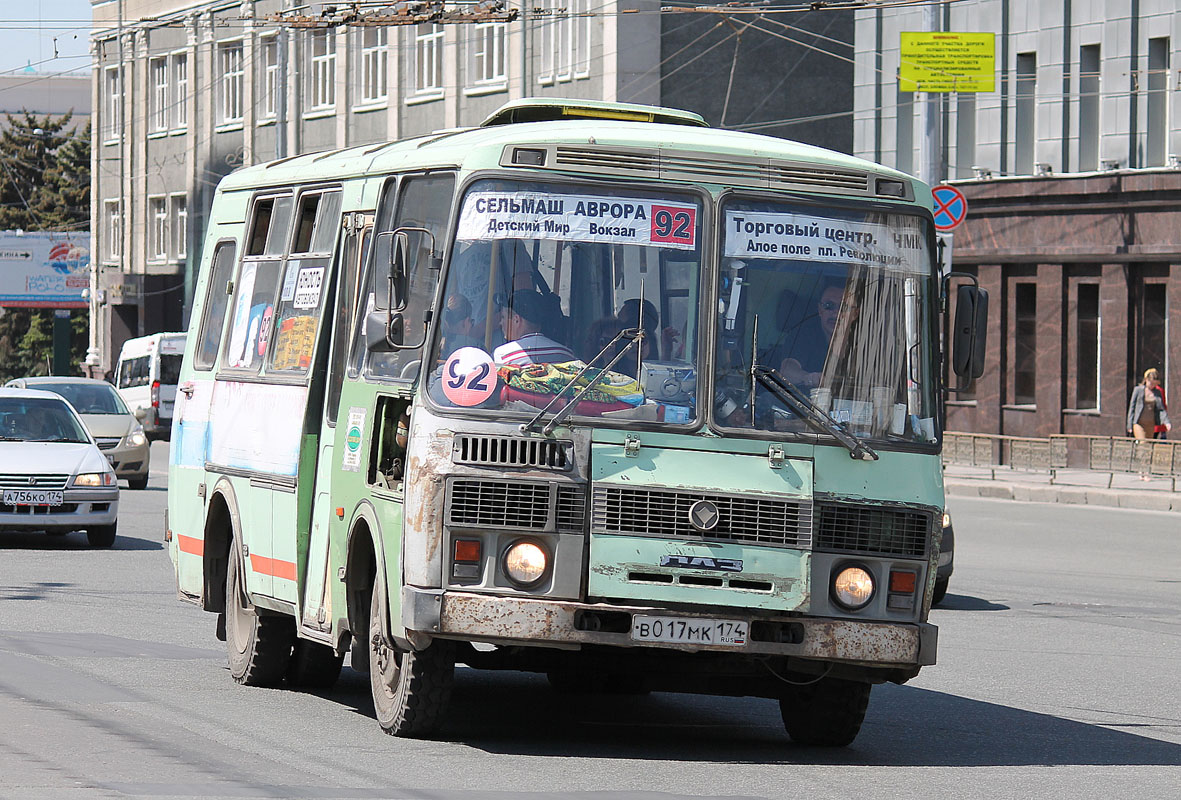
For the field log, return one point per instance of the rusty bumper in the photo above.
(539, 622)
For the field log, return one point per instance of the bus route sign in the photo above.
(950, 207)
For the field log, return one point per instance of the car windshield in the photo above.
(837, 302)
(546, 279)
(89, 398)
(38, 419)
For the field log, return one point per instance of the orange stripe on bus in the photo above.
(190, 544)
(273, 567)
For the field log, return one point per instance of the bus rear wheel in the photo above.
(259, 644)
(827, 713)
(410, 688)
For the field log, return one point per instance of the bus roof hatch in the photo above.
(539, 109)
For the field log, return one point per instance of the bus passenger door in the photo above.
(317, 599)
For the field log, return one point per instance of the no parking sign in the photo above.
(950, 207)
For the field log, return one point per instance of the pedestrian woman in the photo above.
(1146, 409)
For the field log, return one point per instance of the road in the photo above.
(1060, 651)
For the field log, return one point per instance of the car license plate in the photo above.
(689, 630)
(27, 497)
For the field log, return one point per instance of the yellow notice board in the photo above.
(947, 62)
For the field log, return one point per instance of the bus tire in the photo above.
(410, 688)
(259, 644)
(827, 713)
(940, 591)
(313, 665)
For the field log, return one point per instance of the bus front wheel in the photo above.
(410, 688)
(259, 644)
(827, 713)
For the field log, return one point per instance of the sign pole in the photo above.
(932, 141)
(61, 341)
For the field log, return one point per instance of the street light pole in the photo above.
(930, 149)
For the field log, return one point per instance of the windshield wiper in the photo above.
(633, 335)
(770, 379)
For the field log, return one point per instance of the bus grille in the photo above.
(516, 504)
(665, 513)
(41, 481)
(510, 451)
(669, 165)
(849, 528)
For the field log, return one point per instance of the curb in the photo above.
(1073, 495)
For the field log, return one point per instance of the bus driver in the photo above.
(522, 320)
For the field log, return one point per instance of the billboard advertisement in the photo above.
(44, 269)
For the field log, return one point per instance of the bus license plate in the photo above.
(688, 630)
(25, 497)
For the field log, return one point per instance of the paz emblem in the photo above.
(703, 515)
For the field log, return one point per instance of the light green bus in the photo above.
(591, 390)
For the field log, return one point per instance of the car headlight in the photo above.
(946, 519)
(136, 438)
(853, 587)
(525, 563)
(95, 479)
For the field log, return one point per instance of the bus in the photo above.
(591, 390)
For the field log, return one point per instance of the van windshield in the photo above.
(546, 279)
(170, 369)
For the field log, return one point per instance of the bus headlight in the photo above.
(525, 563)
(853, 587)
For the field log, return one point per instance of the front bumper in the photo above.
(562, 623)
(129, 461)
(80, 509)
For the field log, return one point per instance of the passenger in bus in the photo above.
(457, 325)
(669, 344)
(473, 267)
(523, 318)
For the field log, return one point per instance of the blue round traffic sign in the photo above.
(950, 207)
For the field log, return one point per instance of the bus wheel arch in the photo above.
(361, 563)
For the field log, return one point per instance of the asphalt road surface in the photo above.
(1059, 664)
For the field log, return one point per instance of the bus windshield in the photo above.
(546, 280)
(837, 302)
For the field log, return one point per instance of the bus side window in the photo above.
(258, 279)
(216, 301)
(424, 201)
(306, 281)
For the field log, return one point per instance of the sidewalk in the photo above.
(1076, 486)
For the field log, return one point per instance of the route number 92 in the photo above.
(674, 225)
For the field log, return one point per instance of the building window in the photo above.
(545, 43)
(230, 65)
(158, 99)
(904, 132)
(321, 82)
(1151, 349)
(1025, 344)
(1090, 332)
(114, 96)
(1158, 102)
(581, 36)
(180, 98)
(563, 42)
(428, 59)
(373, 53)
(1026, 112)
(114, 229)
(271, 86)
(158, 230)
(180, 225)
(1088, 107)
(486, 62)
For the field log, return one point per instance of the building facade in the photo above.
(185, 92)
(1072, 176)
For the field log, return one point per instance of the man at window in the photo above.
(804, 364)
(522, 321)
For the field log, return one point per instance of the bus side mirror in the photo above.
(390, 260)
(384, 331)
(968, 334)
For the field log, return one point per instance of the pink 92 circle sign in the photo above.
(469, 377)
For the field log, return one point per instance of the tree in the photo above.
(44, 186)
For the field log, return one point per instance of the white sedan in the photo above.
(53, 477)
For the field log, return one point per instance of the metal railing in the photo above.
(1111, 454)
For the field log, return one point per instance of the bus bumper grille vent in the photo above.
(665, 513)
(876, 530)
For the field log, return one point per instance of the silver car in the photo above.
(116, 430)
(53, 477)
